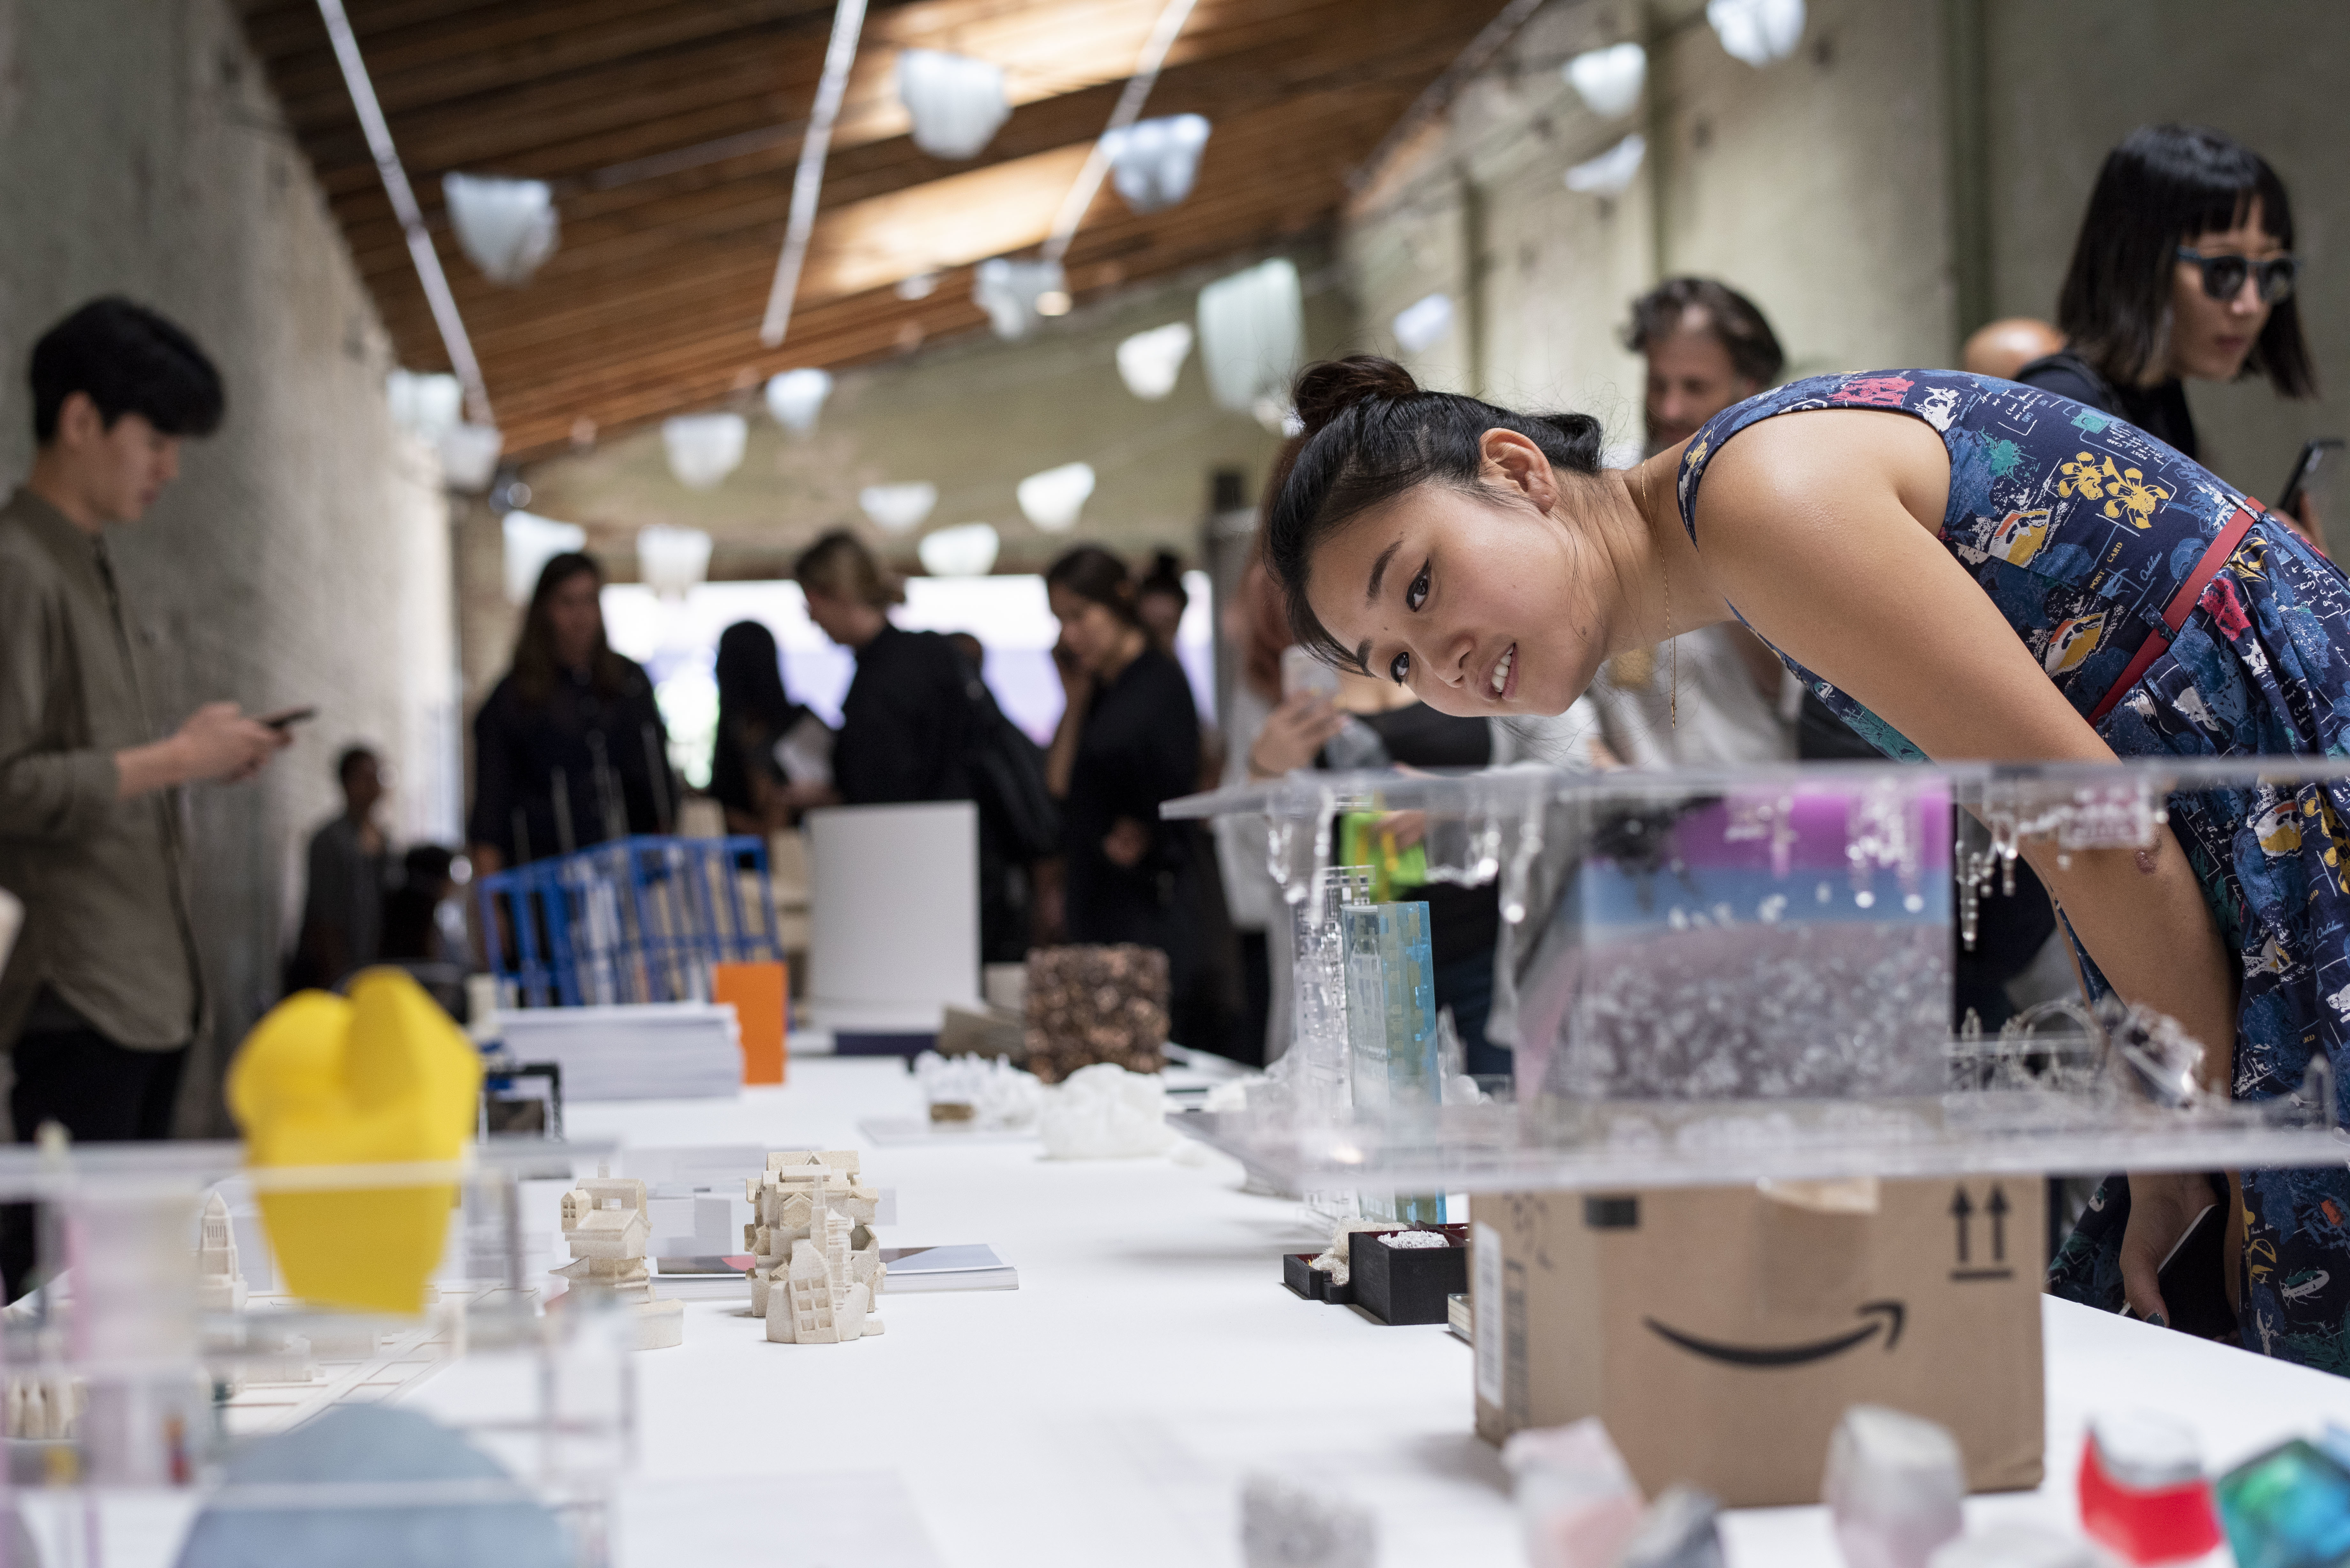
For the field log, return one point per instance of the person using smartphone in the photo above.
(104, 991)
(2184, 270)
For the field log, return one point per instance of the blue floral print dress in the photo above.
(2082, 528)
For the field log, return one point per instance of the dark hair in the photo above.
(1094, 575)
(410, 905)
(754, 709)
(838, 565)
(1371, 435)
(1730, 316)
(2161, 188)
(1165, 576)
(350, 758)
(127, 361)
(535, 664)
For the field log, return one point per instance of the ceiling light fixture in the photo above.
(965, 550)
(703, 449)
(1150, 362)
(1052, 500)
(898, 508)
(1757, 31)
(1251, 333)
(807, 180)
(1610, 173)
(795, 398)
(508, 228)
(1153, 162)
(1609, 81)
(957, 103)
(1013, 293)
(672, 561)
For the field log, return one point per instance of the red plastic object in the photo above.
(2159, 1516)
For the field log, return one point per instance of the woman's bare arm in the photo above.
(1822, 528)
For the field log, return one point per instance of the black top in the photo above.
(2159, 410)
(904, 724)
(1140, 746)
(519, 746)
(1463, 921)
(744, 750)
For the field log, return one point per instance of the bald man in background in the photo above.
(2004, 348)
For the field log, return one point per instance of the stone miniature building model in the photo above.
(219, 1285)
(607, 1227)
(816, 1265)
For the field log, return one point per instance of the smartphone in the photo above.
(287, 718)
(1301, 672)
(2193, 1279)
(2314, 470)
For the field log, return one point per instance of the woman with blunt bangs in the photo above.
(2183, 271)
(1961, 568)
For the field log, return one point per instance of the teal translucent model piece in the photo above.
(2289, 1508)
(1391, 1029)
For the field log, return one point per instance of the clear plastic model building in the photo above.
(816, 1263)
(1724, 977)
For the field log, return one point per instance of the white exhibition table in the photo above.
(1107, 1408)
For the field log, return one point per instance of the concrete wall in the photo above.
(303, 557)
(1817, 186)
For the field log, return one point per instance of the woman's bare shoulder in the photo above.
(1819, 462)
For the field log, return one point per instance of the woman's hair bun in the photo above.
(1326, 390)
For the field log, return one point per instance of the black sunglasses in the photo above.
(2223, 276)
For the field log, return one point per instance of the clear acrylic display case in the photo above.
(1715, 976)
(132, 1390)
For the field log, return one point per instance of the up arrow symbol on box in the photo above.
(1997, 1210)
(1962, 1210)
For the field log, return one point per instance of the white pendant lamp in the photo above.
(1013, 293)
(956, 102)
(795, 398)
(508, 228)
(1609, 81)
(1757, 31)
(469, 455)
(1251, 333)
(965, 550)
(669, 561)
(1148, 362)
(1610, 173)
(703, 449)
(1153, 162)
(531, 542)
(1052, 500)
(1423, 323)
(424, 405)
(898, 508)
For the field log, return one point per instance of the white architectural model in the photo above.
(220, 1285)
(606, 1224)
(817, 1266)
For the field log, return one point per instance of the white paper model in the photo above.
(605, 1222)
(220, 1285)
(816, 1264)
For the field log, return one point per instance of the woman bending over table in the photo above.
(1961, 568)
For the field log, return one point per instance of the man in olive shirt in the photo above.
(103, 993)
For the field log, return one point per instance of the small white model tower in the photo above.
(607, 1227)
(220, 1285)
(815, 1264)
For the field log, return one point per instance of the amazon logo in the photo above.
(1885, 1317)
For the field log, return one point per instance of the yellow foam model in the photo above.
(382, 1076)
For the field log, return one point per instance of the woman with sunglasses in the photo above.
(2184, 270)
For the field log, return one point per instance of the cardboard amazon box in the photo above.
(1719, 1333)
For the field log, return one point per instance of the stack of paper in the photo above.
(651, 1051)
(971, 1267)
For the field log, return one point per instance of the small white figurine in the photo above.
(220, 1286)
(816, 1265)
(607, 1225)
(45, 1405)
